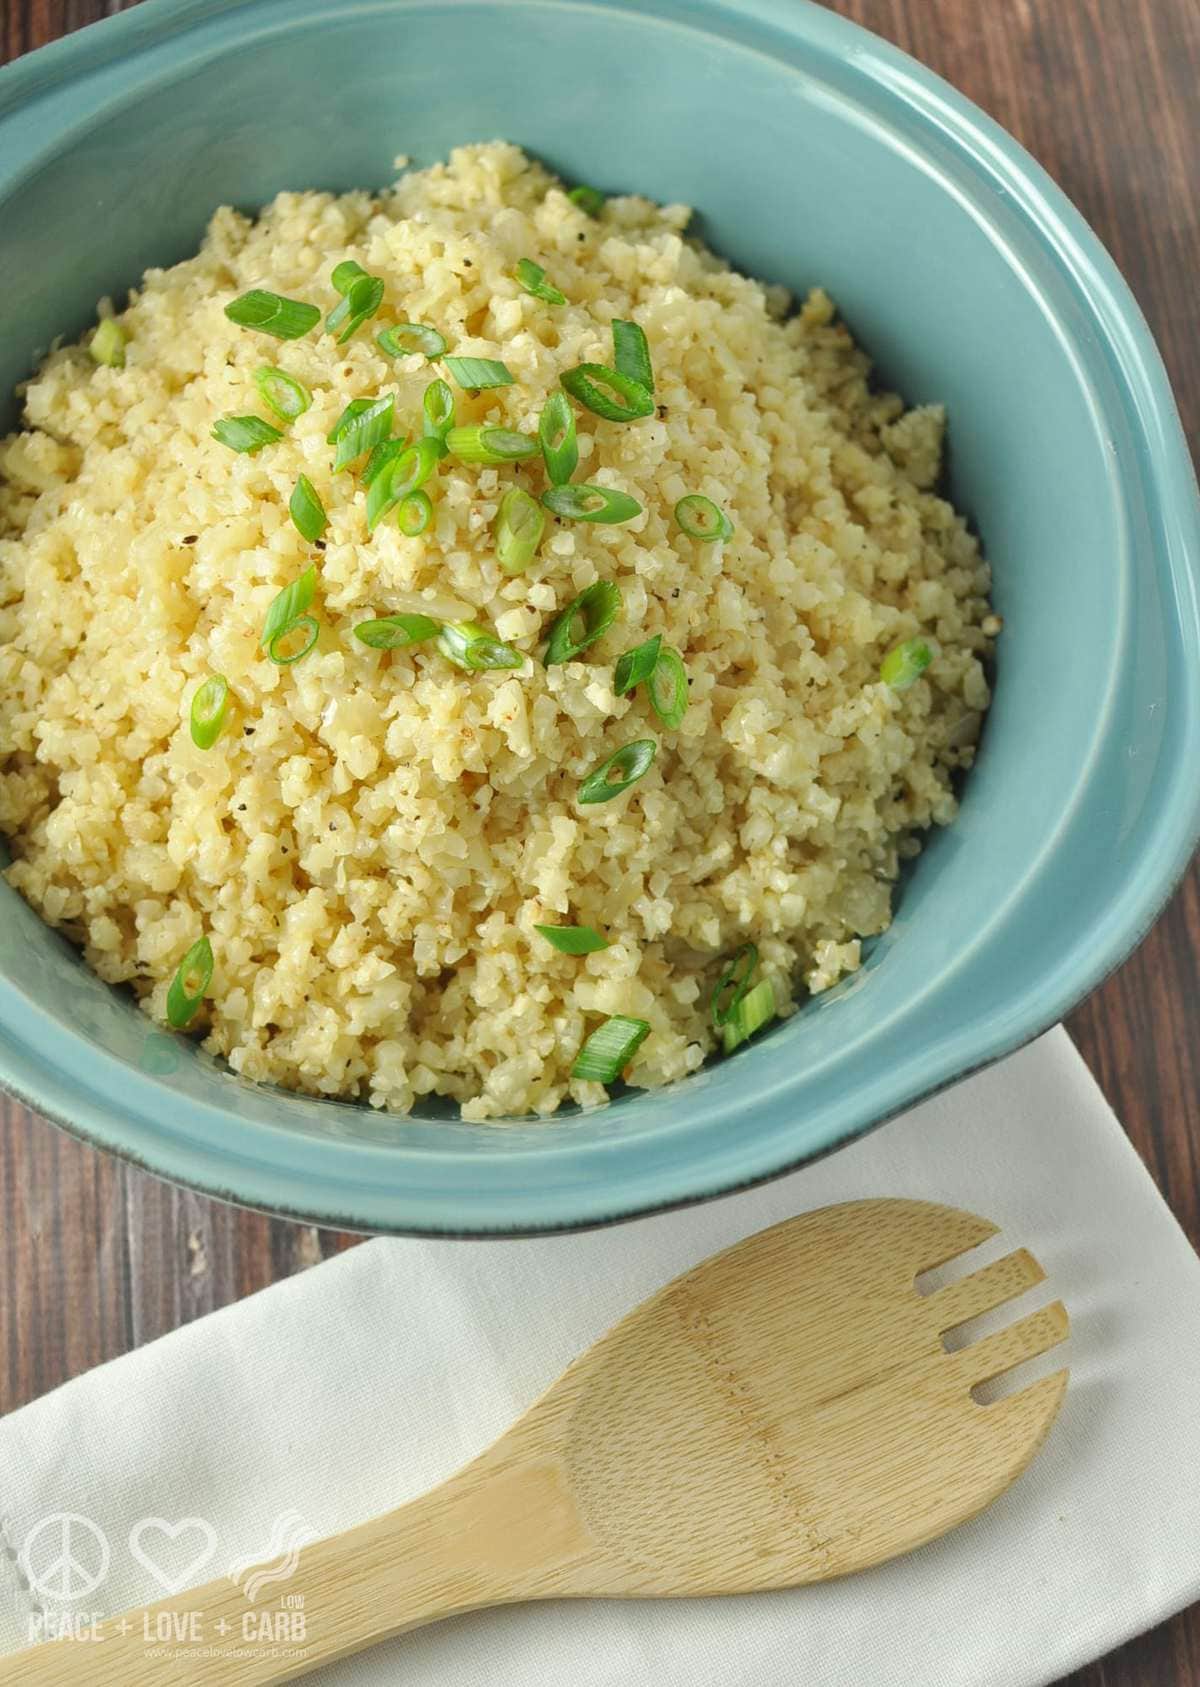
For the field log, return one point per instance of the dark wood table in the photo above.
(96, 1258)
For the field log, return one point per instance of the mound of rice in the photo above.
(374, 836)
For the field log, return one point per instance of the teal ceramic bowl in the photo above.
(814, 153)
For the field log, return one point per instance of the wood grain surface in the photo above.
(95, 1259)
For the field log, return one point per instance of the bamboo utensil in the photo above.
(783, 1413)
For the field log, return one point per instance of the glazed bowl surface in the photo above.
(814, 153)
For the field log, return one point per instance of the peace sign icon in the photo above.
(65, 1557)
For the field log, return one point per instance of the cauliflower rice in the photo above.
(374, 836)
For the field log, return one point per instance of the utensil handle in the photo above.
(488, 1537)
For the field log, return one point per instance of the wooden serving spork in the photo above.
(782, 1413)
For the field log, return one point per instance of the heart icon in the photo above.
(174, 1581)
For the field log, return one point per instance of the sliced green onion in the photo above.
(357, 306)
(733, 983)
(475, 373)
(756, 1009)
(489, 445)
(285, 319)
(307, 511)
(668, 687)
(905, 663)
(582, 622)
(355, 408)
(591, 503)
(409, 337)
(414, 514)
(364, 431)
(608, 1051)
(636, 665)
(532, 277)
(346, 274)
(618, 772)
(520, 523)
(607, 392)
(631, 353)
(470, 646)
(588, 199)
(438, 405)
(413, 467)
(108, 343)
(393, 632)
(245, 433)
(573, 940)
(284, 394)
(291, 602)
(189, 984)
(556, 432)
(209, 701)
(700, 518)
(410, 470)
(305, 627)
(381, 455)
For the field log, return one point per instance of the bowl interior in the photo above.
(813, 155)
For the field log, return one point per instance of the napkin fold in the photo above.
(345, 1391)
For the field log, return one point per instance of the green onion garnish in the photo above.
(357, 306)
(108, 343)
(636, 665)
(573, 940)
(520, 522)
(668, 687)
(470, 646)
(245, 433)
(307, 511)
(700, 518)
(438, 405)
(209, 701)
(905, 663)
(282, 392)
(364, 431)
(286, 319)
(414, 514)
(556, 431)
(346, 274)
(608, 1051)
(625, 399)
(409, 337)
(393, 632)
(582, 622)
(190, 983)
(733, 983)
(532, 277)
(355, 408)
(381, 455)
(410, 470)
(621, 770)
(474, 373)
(588, 199)
(489, 445)
(414, 467)
(631, 353)
(591, 503)
(306, 629)
(754, 1010)
(291, 602)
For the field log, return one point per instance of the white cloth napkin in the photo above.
(347, 1390)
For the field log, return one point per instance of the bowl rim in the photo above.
(1165, 470)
